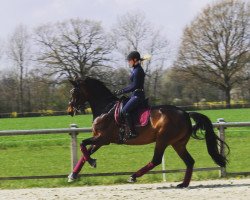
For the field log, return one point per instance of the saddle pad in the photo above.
(141, 116)
(117, 112)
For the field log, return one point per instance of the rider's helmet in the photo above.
(134, 55)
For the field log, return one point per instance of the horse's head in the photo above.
(79, 96)
(92, 91)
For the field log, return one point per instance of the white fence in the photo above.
(221, 125)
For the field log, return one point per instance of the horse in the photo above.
(168, 125)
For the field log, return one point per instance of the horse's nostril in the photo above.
(70, 109)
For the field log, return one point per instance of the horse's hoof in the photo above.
(131, 179)
(182, 185)
(72, 178)
(92, 163)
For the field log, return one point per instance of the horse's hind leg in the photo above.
(181, 150)
(157, 159)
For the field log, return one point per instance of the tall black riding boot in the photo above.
(130, 122)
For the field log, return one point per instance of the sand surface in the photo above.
(212, 189)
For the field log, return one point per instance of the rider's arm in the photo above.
(135, 83)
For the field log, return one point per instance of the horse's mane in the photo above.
(101, 99)
(98, 88)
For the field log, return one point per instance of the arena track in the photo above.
(199, 190)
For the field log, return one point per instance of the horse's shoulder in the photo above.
(167, 107)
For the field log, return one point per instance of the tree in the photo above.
(9, 92)
(73, 46)
(133, 32)
(215, 47)
(244, 87)
(117, 78)
(179, 89)
(19, 53)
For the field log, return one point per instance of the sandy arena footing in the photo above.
(198, 190)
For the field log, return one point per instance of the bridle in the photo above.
(75, 103)
(80, 97)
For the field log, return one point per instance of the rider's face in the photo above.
(131, 63)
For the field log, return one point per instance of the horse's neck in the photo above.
(96, 109)
(98, 106)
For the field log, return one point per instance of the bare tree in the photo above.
(73, 46)
(215, 46)
(9, 92)
(133, 32)
(19, 53)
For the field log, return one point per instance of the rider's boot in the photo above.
(130, 122)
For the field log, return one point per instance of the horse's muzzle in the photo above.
(71, 111)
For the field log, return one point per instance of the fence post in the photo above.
(74, 145)
(163, 168)
(221, 129)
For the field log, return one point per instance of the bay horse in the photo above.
(168, 125)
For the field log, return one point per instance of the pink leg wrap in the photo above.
(83, 159)
(188, 176)
(144, 170)
(79, 165)
(85, 153)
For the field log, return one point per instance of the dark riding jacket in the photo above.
(137, 82)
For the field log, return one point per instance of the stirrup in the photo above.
(132, 135)
(122, 138)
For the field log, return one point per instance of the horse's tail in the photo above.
(212, 140)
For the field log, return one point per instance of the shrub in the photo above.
(13, 114)
(46, 112)
(88, 111)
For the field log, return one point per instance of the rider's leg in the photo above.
(127, 110)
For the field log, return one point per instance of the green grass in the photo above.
(44, 122)
(50, 154)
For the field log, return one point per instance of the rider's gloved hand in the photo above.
(118, 92)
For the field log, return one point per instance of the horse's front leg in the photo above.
(73, 176)
(87, 152)
(81, 162)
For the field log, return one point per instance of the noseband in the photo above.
(76, 103)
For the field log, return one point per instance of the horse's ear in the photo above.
(76, 76)
(73, 82)
(87, 78)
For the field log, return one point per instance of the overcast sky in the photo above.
(170, 15)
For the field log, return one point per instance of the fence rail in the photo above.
(73, 131)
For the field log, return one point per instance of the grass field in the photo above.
(50, 154)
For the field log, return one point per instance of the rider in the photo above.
(137, 89)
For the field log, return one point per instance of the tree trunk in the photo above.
(147, 87)
(155, 88)
(21, 90)
(29, 108)
(228, 97)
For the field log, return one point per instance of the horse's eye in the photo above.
(72, 91)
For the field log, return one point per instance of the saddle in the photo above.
(140, 117)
